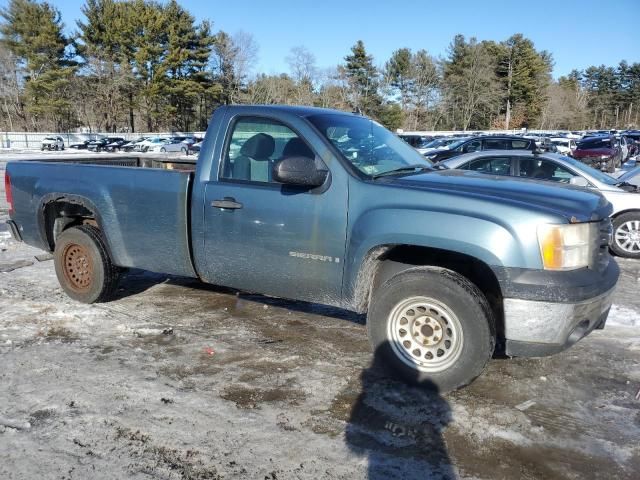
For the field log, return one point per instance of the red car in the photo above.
(602, 152)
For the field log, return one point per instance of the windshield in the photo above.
(367, 145)
(597, 174)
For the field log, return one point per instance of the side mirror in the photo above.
(579, 181)
(301, 171)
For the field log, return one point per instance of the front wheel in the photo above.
(83, 265)
(163, 150)
(626, 235)
(432, 327)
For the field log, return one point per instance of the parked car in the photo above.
(195, 148)
(602, 151)
(169, 145)
(115, 144)
(441, 144)
(133, 145)
(104, 144)
(80, 145)
(445, 263)
(52, 143)
(563, 145)
(633, 142)
(624, 196)
(489, 142)
(417, 141)
(151, 143)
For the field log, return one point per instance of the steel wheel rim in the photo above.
(77, 267)
(627, 236)
(425, 334)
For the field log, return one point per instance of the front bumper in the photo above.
(534, 328)
(547, 312)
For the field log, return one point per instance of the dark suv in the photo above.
(489, 142)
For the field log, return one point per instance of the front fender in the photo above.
(482, 237)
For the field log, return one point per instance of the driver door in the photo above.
(267, 237)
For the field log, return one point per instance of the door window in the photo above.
(473, 146)
(491, 165)
(255, 145)
(541, 169)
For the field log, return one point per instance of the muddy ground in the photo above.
(176, 379)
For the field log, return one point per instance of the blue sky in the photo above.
(577, 33)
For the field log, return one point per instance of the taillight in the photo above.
(7, 189)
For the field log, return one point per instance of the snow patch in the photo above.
(623, 316)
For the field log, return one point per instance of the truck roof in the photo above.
(300, 110)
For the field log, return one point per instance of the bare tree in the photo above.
(10, 90)
(302, 64)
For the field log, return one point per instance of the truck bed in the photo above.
(142, 204)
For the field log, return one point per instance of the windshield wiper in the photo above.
(407, 169)
(625, 184)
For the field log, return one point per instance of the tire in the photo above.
(626, 235)
(452, 315)
(83, 265)
(163, 150)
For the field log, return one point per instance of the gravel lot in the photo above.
(176, 379)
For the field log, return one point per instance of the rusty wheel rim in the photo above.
(77, 267)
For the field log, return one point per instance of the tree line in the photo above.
(140, 65)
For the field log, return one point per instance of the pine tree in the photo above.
(33, 33)
(363, 80)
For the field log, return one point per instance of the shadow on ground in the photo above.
(399, 427)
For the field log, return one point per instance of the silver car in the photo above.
(553, 167)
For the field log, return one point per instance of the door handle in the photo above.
(227, 203)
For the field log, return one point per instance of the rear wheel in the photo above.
(626, 235)
(83, 265)
(432, 327)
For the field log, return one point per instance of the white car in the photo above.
(150, 143)
(169, 145)
(565, 146)
(620, 192)
(52, 143)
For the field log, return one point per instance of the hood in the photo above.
(567, 201)
(593, 152)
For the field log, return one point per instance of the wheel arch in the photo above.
(385, 261)
(622, 212)
(59, 211)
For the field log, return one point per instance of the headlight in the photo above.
(604, 157)
(566, 247)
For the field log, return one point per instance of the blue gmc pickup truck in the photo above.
(329, 207)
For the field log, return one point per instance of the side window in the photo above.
(541, 169)
(473, 146)
(494, 144)
(491, 165)
(255, 145)
(519, 144)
